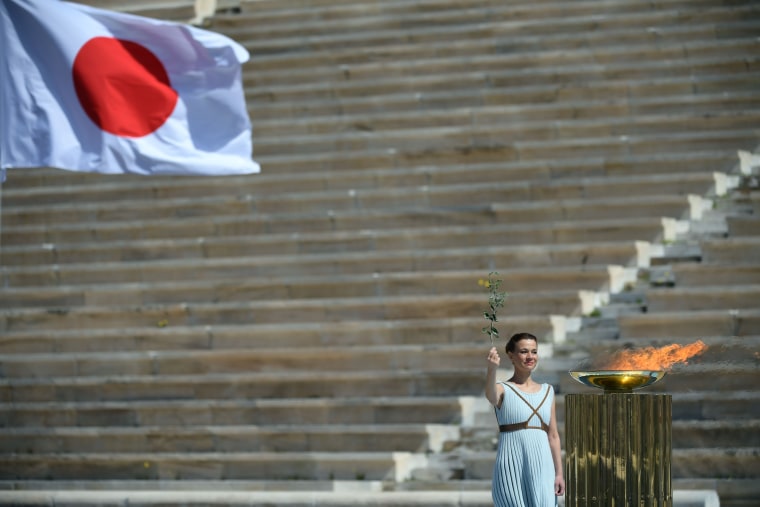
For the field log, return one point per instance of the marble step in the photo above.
(636, 94)
(707, 434)
(203, 289)
(709, 275)
(686, 463)
(554, 302)
(384, 167)
(270, 385)
(356, 67)
(583, 112)
(373, 253)
(312, 438)
(277, 8)
(306, 360)
(267, 235)
(504, 151)
(385, 44)
(743, 226)
(351, 410)
(439, 494)
(201, 486)
(80, 210)
(733, 250)
(281, 498)
(581, 17)
(690, 324)
(307, 438)
(479, 128)
(585, 115)
(293, 91)
(394, 466)
(31, 187)
(548, 329)
(688, 406)
(273, 385)
(749, 196)
(539, 212)
(374, 51)
(548, 132)
(323, 10)
(715, 297)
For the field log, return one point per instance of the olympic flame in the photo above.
(654, 358)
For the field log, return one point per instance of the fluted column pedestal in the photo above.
(618, 450)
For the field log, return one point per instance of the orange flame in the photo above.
(652, 358)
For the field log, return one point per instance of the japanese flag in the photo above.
(91, 90)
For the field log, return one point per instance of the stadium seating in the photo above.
(312, 334)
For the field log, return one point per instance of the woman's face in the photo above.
(525, 355)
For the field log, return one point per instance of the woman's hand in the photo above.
(494, 391)
(559, 485)
(493, 358)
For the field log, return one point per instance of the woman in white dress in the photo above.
(528, 471)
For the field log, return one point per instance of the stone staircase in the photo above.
(311, 335)
(704, 286)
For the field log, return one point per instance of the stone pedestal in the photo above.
(618, 450)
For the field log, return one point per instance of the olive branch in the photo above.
(495, 301)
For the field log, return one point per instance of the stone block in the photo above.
(729, 297)
(722, 434)
(717, 406)
(736, 463)
(731, 250)
(383, 259)
(690, 324)
(743, 226)
(700, 275)
(39, 366)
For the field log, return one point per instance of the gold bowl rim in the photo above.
(617, 380)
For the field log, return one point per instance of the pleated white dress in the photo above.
(523, 474)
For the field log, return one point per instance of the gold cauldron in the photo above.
(618, 381)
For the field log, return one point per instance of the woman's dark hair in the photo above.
(512, 343)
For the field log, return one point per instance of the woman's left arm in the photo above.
(556, 448)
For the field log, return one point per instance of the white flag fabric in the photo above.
(87, 89)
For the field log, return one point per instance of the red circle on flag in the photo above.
(123, 87)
